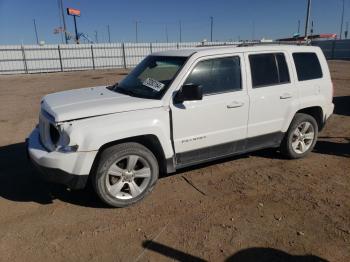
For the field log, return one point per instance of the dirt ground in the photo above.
(255, 207)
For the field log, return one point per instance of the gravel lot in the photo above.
(253, 207)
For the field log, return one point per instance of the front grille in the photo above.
(49, 135)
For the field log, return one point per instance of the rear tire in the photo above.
(301, 137)
(125, 174)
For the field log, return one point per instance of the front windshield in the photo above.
(152, 77)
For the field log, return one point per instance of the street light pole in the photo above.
(36, 32)
(136, 31)
(166, 33)
(64, 22)
(211, 28)
(180, 31)
(96, 36)
(109, 34)
(76, 29)
(342, 21)
(308, 11)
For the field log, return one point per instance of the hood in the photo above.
(92, 101)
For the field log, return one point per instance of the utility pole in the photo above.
(36, 32)
(180, 31)
(109, 34)
(312, 28)
(346, 30)
(253, 31)
(166, 34)
(64, 22)
(308, 11)
(136, 31)
(298, 26)
(342, 21)
(96, 36)
(76, 29)
(211, 28)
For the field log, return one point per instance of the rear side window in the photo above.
(307, 65)
(268, 69)
(217, 75)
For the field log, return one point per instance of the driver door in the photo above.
(215, 126)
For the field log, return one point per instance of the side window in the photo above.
(217, 75)
(268, 69)
(307, 65)
(282, 68)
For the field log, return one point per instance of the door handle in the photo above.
(235, 104)
(286, 96)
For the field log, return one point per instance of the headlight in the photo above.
(64, 141)
(67, 149)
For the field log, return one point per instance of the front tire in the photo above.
(301, 137)
(126, 173)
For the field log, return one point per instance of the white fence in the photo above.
(16, 59)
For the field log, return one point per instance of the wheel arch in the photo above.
(316, 112)
(149, 141)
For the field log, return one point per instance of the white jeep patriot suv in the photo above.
(180, 108)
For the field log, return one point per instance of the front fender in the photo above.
(92, 133)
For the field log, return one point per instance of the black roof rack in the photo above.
(243, 44)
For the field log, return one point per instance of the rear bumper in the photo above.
(70, 169)
(328, 112)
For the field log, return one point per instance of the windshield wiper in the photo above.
(125, 91)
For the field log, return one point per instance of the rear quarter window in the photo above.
(268, 69)
(308, 66)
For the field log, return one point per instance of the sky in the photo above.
(232, 19)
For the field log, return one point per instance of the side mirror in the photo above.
(189, 92)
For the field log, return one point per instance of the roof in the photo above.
(213, 50)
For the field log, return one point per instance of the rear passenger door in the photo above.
(272, 97)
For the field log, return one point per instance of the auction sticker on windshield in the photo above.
(154, 84)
